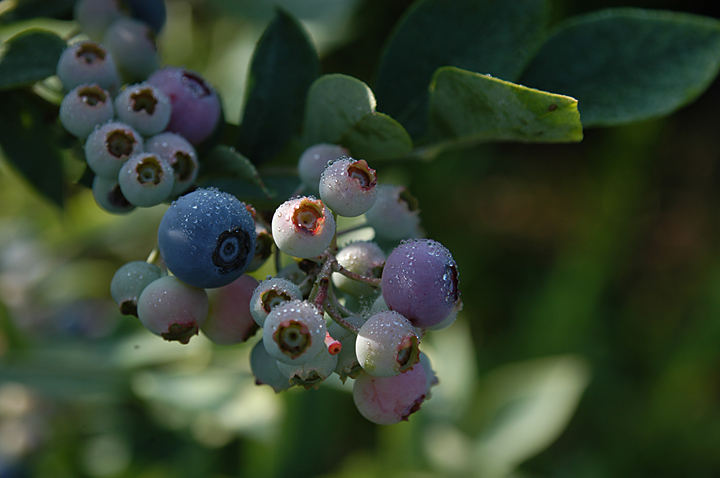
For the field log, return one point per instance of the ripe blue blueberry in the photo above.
(146, 179)
(109, 146)
(132, 44)
(420, 280)
(87, 62)
(143, 107)
(207, 238)
(196, 109)
(85, 107)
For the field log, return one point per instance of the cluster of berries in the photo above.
(355, 310)
(139, 123)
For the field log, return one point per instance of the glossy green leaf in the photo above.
(626, 64)
(494, 37)
(469, 107)
(28, 142)
(284, 65)
(28, 57)
(226, 163)
(335, 104)
(341, 110)
(377, 136)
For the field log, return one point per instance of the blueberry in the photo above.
(132, 44)
(348, 187)
(85, 107)
(172, 309)
(303, 227)
(109, 146)
(387, 344)
(151, 12)
(87, 62)
(364, 258)
(229, 321)
(180, 154)
(196, 109)
(146, 179)
(207, 238)
(420, 280)
(269, 294)
(395, 214)
(109, 196)
(389, 400)
(143, 107)
(313, 161)
(128, 283)
(294, 332)
(265, 369)
(95, 16)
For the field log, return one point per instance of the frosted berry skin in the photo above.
(109, 196)
(364, 258)
(294, 332)
(420, 280)
(303, 227)
(348, 187)
(207, 238)
(129, 281)
(87, 62)
(109, 146)
(387, 344)
(229, 320)
(312, 373)
(196, 108)
(85, 107)
(390, 400)
(395, 214)
(269, 294)
(95, 16)
(132, 44)
(313, 162)
(180, 154)
(172, 309)
(143, 107)
(151, 12)
(265, 369)
(146, 179)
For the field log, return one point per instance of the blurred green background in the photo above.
(588, 346)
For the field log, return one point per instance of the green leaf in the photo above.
(627, 65)
(522, 408)
(341, 110)
(28, 142)
(377, 136)
(496, 37)
(284, 66)
(471, 108)
(225, 163)
(28, 57)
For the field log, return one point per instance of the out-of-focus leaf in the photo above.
(341, 110)
(29, 9)
(27, 141)
(284, 66)
(496, 37)
(627, 64)
(522, 408)
(473, 108)
(28, 57)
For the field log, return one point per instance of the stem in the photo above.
(278, 260)
(335, 315)
(371, 281)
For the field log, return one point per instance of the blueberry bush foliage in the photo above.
(355, 238)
